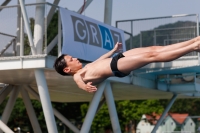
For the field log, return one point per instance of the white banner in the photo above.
(86, 38)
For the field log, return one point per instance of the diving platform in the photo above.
(136, 86)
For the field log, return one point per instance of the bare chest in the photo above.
(97, 71)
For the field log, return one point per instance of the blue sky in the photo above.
(132, 9)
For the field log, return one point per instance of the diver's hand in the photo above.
(118, 47)
(90, 88)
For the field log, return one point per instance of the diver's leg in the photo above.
(129, 63)
(160, 48)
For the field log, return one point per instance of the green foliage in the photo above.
(133, 111)
(187, 105)
(127, 111)
(52, 31)
(19, 116)
(27, 48)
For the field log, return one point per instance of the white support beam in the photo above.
(28, 29)
(5, 128)
(190, 87)
(39, 26)
(126, 79)
(18, 30)
(56, 113)
(21, 36)
(137, 80)
(52, 11)
(45, 100)
(164, 113)
(112, 109)
(93, 108)
(101, 104)
(4, 4)
(32, 92)
(30, 110)
(9, 106)
(51, 45)
(59, 35)
(65, 121)
(4, 92)
(108, 12)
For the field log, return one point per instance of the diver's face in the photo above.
(73, 64)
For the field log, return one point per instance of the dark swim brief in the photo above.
(114, 68)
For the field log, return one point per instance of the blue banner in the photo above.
(86, 38)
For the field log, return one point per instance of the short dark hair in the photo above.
(60, 64)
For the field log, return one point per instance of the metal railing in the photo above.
(12, 42)
(12, 24)
(160, 31)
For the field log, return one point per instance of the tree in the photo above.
(127, 111)
(52, 31)
(19, 116)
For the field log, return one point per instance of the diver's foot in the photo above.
(197, 38)
(197, 48)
